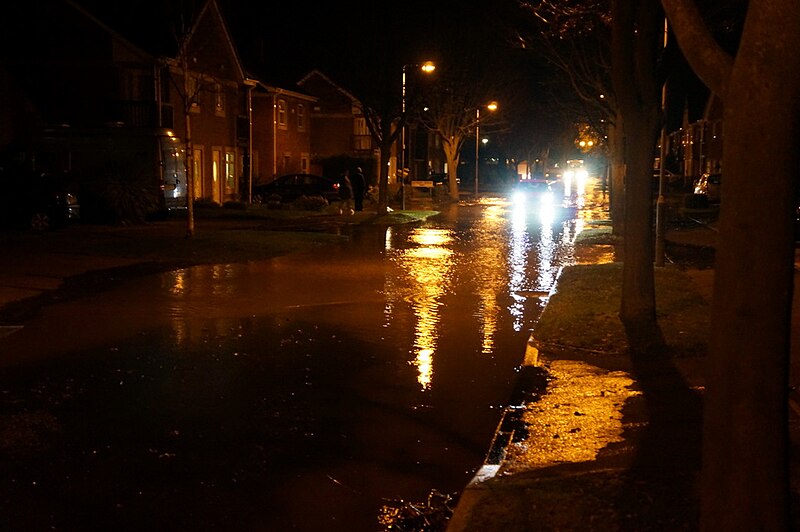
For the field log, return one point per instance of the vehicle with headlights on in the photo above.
(532, 191)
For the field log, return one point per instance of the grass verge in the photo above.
(585, 314)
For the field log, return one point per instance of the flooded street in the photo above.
(299, 393)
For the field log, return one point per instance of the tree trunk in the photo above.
(451, 155)
(745, 451)
(637, 310)
(383, 178)
(635, 48)
(617, 178)
(745, 483)
(190, 177)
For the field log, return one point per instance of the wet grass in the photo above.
(587, 315)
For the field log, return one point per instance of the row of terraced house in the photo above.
(70, 73)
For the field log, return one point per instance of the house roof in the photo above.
(319, 75)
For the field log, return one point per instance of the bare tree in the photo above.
(454, 107)
(745, 440)
(384, 123)
(192, 74)
(636, 46)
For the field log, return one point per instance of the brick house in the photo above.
(338, 125)
(119, 70)
(281, 132)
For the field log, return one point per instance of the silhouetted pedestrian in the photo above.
(345, 194)
(359, 188)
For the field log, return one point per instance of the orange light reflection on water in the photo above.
(427, 268)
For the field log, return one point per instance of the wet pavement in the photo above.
(298, 393)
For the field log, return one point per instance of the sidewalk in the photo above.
(614, 443)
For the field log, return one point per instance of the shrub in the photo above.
(235, 205)
(310, 203)
(205, 203)
(119, 197)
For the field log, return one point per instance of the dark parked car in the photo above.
(36, 200)
(288, 188)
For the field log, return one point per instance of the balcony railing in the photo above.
(362, 142)
(139, 113)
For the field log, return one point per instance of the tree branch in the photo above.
(707, 58)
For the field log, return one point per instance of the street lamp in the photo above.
(250, 84)
(491, 106)
(427, 67)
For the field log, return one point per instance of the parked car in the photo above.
(709, 185)
(287, 188)
(37, 200)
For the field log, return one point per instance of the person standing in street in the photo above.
(359, 188)
(345, 194)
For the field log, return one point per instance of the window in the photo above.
(193, 94)
(230, 172)
(304, 163)
(282, 114)
(219, 100)
(361, 136)
(197, 167)
(301, 117)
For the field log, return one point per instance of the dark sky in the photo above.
(355, 38)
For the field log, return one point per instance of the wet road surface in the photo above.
(300, 393)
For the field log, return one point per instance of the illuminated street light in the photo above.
(491, 106)
(427, 67)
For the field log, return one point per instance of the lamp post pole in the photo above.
(250, 84)
(427, 67)
(491, 106)
(401, 151)
(477, 147)
(661, 202)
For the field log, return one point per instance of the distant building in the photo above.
(339, 126)
(130, 70)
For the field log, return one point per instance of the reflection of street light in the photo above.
(492, 106)
(426, 67)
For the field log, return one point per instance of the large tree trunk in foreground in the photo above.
(745, 433)
(745, 450)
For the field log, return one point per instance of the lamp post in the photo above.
(250, 84)
(491, 106)
(426, 67)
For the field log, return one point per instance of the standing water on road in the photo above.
(299, 393)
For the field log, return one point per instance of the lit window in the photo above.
(230, 172)
(282, 114)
